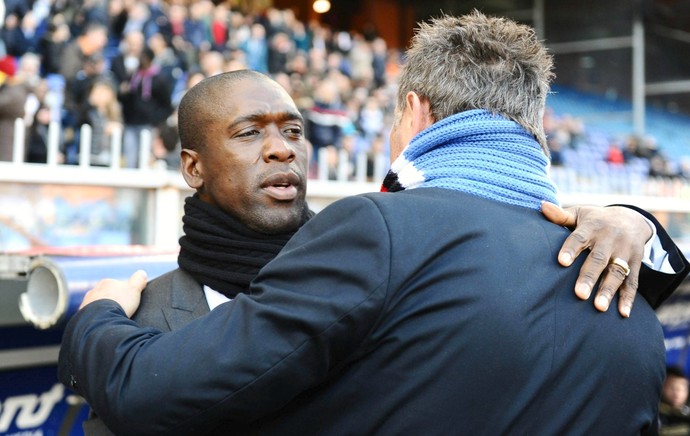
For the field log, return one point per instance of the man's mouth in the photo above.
(282, 186)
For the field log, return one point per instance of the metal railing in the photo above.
(337, 175)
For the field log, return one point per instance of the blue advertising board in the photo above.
(39, 292)
(33, 402)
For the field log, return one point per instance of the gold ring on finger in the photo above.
(621, 263)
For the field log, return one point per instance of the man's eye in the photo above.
(248, 133)
(294, 131)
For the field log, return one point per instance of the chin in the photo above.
(283, 223)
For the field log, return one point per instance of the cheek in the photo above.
(301, 155)
(395, 144)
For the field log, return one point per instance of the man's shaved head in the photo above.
(205, 101)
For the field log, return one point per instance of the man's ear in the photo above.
(420, 109)
(191, 168)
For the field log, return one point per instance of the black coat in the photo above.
(148, 108)
(421, 312)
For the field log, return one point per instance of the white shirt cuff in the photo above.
(655, 257)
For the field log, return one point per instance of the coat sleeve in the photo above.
(656, 286)
(308, 312)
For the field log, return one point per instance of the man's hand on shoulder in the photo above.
(126, 293)
(616, 237)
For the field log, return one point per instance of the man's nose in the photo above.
(277, 147)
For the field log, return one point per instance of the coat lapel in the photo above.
(188, 301)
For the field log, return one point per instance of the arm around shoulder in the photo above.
(309, 311)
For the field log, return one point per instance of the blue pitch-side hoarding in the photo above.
(39, 292)
(33, 402)
(675, 318)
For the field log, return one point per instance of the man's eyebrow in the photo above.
(262, 116)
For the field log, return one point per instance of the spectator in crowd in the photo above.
(300, 36)
(197, 30)
(17, 7)
(371, 119)
(181, 41)
(674, 413)
(192, 79)
(631, 150)
(379, 61)
(361, 58)
(615, 154)
(13, 94)
(661, 167)
(139, 19)
(90, 43)
(53, 43)
(104, 115)
(12, 36)
(327, 118)
(29, 68)
(165, 58)
(376, 157)
(37, 137)
(166, 145)
(117, 18)
(556, 151)
(126, 63)
(81, 61)
(219, 27)
(146, 102)
(93, 70)
(212, 63)
(280, 51)
(256, 48)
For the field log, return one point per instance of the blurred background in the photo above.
(85, 160)
(89, 166)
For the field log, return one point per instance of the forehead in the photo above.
(258, 96)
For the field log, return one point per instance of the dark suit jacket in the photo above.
(171, 301)
(168, 303)
(421, 312)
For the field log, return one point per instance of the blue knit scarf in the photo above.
(479, 153)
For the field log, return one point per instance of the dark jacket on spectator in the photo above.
(148, 101)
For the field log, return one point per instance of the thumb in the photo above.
(558, 215)
(138, 280)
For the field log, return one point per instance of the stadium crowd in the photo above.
(123, 65)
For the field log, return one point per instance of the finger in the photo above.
(138, 280)
(612, 280)
(626, 295)
(591, 270)
(557, 215)
(627, 292)
(577, 242)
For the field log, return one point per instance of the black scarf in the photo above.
(222, 253)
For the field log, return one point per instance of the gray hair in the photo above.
(479, 62)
